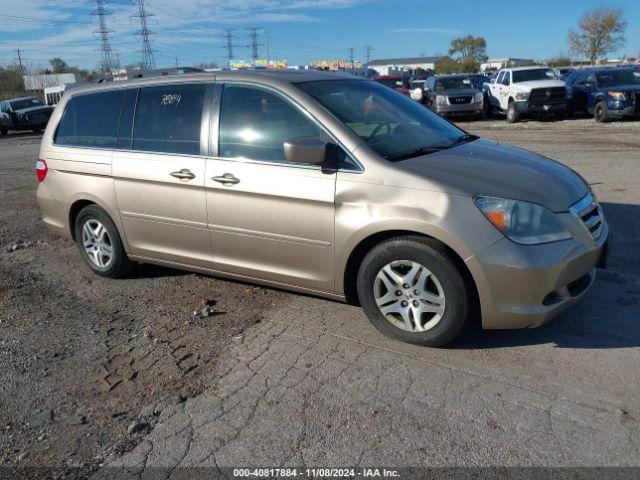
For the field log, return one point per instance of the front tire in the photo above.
(411, 290)
(100, 244)
(513, 116)
(601, 112)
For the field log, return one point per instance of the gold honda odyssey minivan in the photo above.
(320, 183)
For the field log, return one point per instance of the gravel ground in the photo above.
(122, 373)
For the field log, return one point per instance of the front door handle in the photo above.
(184, 174)
(226, 179)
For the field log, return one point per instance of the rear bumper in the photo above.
(526, 286)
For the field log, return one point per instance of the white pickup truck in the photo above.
(526, 91)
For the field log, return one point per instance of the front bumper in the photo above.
(629, 111)
(473, 108)
(541, 108)
(525, 286)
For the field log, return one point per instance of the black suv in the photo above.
(26, 113)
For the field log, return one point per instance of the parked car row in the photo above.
(26, 113)
(605, 93)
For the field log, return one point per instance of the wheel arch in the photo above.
(366, 244)
(81, 201)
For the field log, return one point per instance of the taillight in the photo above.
(41, 169)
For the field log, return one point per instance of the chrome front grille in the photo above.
(590, 214)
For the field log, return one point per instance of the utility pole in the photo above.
(368, 49)
(20, 61)
(24, 86)
(229, 36)
(351, 50)
(266, 41)
(147, 60)
(104, 34)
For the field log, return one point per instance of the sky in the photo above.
(299, 31)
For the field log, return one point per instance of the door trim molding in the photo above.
(269, 236)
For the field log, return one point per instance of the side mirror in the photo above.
(305, 150)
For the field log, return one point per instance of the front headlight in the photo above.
(522, 222)
(441, 100)
(521, 96)
(617, 95)
(478, 97)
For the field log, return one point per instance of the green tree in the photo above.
(471, 52)
(599, 32)
(58, 65)
(447, 65)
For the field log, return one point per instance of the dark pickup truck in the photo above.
(26, 113)
(605, 93)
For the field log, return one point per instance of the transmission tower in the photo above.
(368, 49)
(105, 35)
(253, 35)
(229, 36)
(147, 62)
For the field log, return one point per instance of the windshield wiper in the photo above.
(416, 152)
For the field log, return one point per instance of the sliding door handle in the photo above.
(226, 179)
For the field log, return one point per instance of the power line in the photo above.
(147, 61)
(105, 36)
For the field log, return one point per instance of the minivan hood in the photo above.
(484, 167)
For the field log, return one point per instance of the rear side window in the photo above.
(90, 120)
(168, 119)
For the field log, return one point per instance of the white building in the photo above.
(504, 62)
(391, 66)
(42, 81)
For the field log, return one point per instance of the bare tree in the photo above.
(599, 32)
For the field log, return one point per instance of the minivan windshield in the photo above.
(390, 123)
(620, 77)
(25, 103)
(533, 75)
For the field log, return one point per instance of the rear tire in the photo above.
(601, 112)
(100, 244)
(3, 132)
(416, 282)
(513, 116)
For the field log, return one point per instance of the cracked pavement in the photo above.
(273, 378)
(314, 384)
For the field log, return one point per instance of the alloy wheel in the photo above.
(97, 243)
(409, 296)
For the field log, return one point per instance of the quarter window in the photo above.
(90, 120)
(254, 123)
(168, 119)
